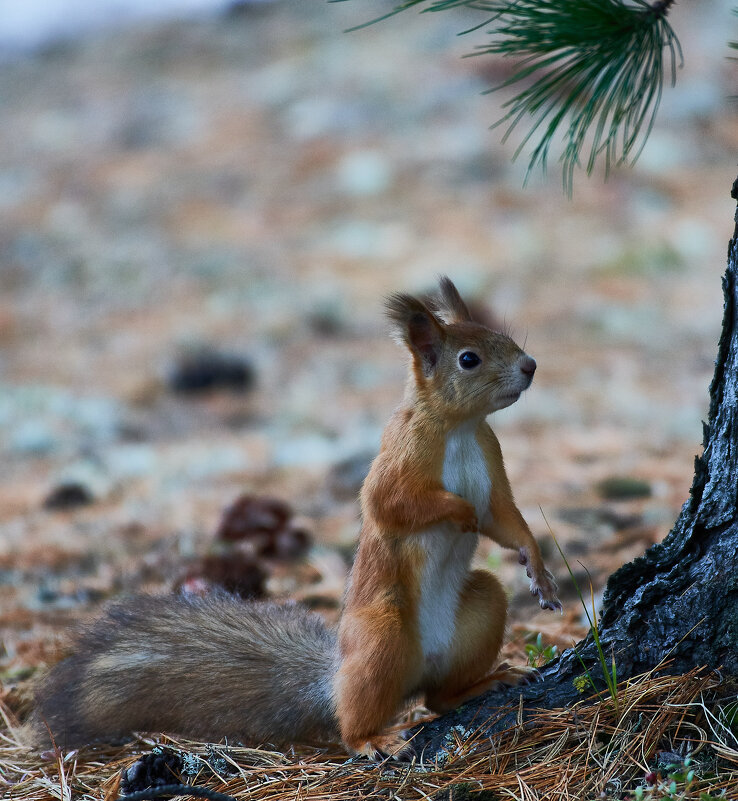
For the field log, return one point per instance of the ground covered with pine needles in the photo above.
(668, 738)
(200, 222)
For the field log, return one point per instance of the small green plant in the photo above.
(609, 668)
(728, 716)
(538, 654)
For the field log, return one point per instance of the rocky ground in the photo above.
(235, 196)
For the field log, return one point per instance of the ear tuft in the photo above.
(417, 327)
(399, 307)
(448, 303)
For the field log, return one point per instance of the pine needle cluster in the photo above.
(591, 73)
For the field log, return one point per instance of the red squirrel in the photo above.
(416, 620)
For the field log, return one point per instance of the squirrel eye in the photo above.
(468, 360)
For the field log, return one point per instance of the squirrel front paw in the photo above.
(466, 518)
(542, 584)
(545, 588)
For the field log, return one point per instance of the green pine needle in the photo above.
(598, 71)
(592, 72)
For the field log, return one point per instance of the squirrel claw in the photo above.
(520, 675)
(528, 676)
(545, 588)
(553, 604)
(387, 746)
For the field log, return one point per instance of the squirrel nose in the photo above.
(528, 366)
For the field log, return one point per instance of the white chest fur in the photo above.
(465, 468)
(448, 552)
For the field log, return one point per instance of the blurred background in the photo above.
(202, 207)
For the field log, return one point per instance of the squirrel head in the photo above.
(461, 369)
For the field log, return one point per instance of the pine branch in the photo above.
(598, 70)
(592, 72)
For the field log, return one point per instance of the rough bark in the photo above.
(677, 602)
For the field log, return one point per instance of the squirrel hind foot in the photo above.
(507, 676)
(381, 746)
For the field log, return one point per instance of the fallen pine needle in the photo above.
(576, 753)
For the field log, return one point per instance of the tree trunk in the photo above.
(677, 602)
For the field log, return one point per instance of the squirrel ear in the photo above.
(448, 302)
(417, 327)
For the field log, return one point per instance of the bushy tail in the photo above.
(206, 668)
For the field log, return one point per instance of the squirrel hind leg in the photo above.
(372, 682)
(480, 628)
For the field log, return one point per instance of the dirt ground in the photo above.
(255, 185)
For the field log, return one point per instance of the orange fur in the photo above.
(403, 497)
